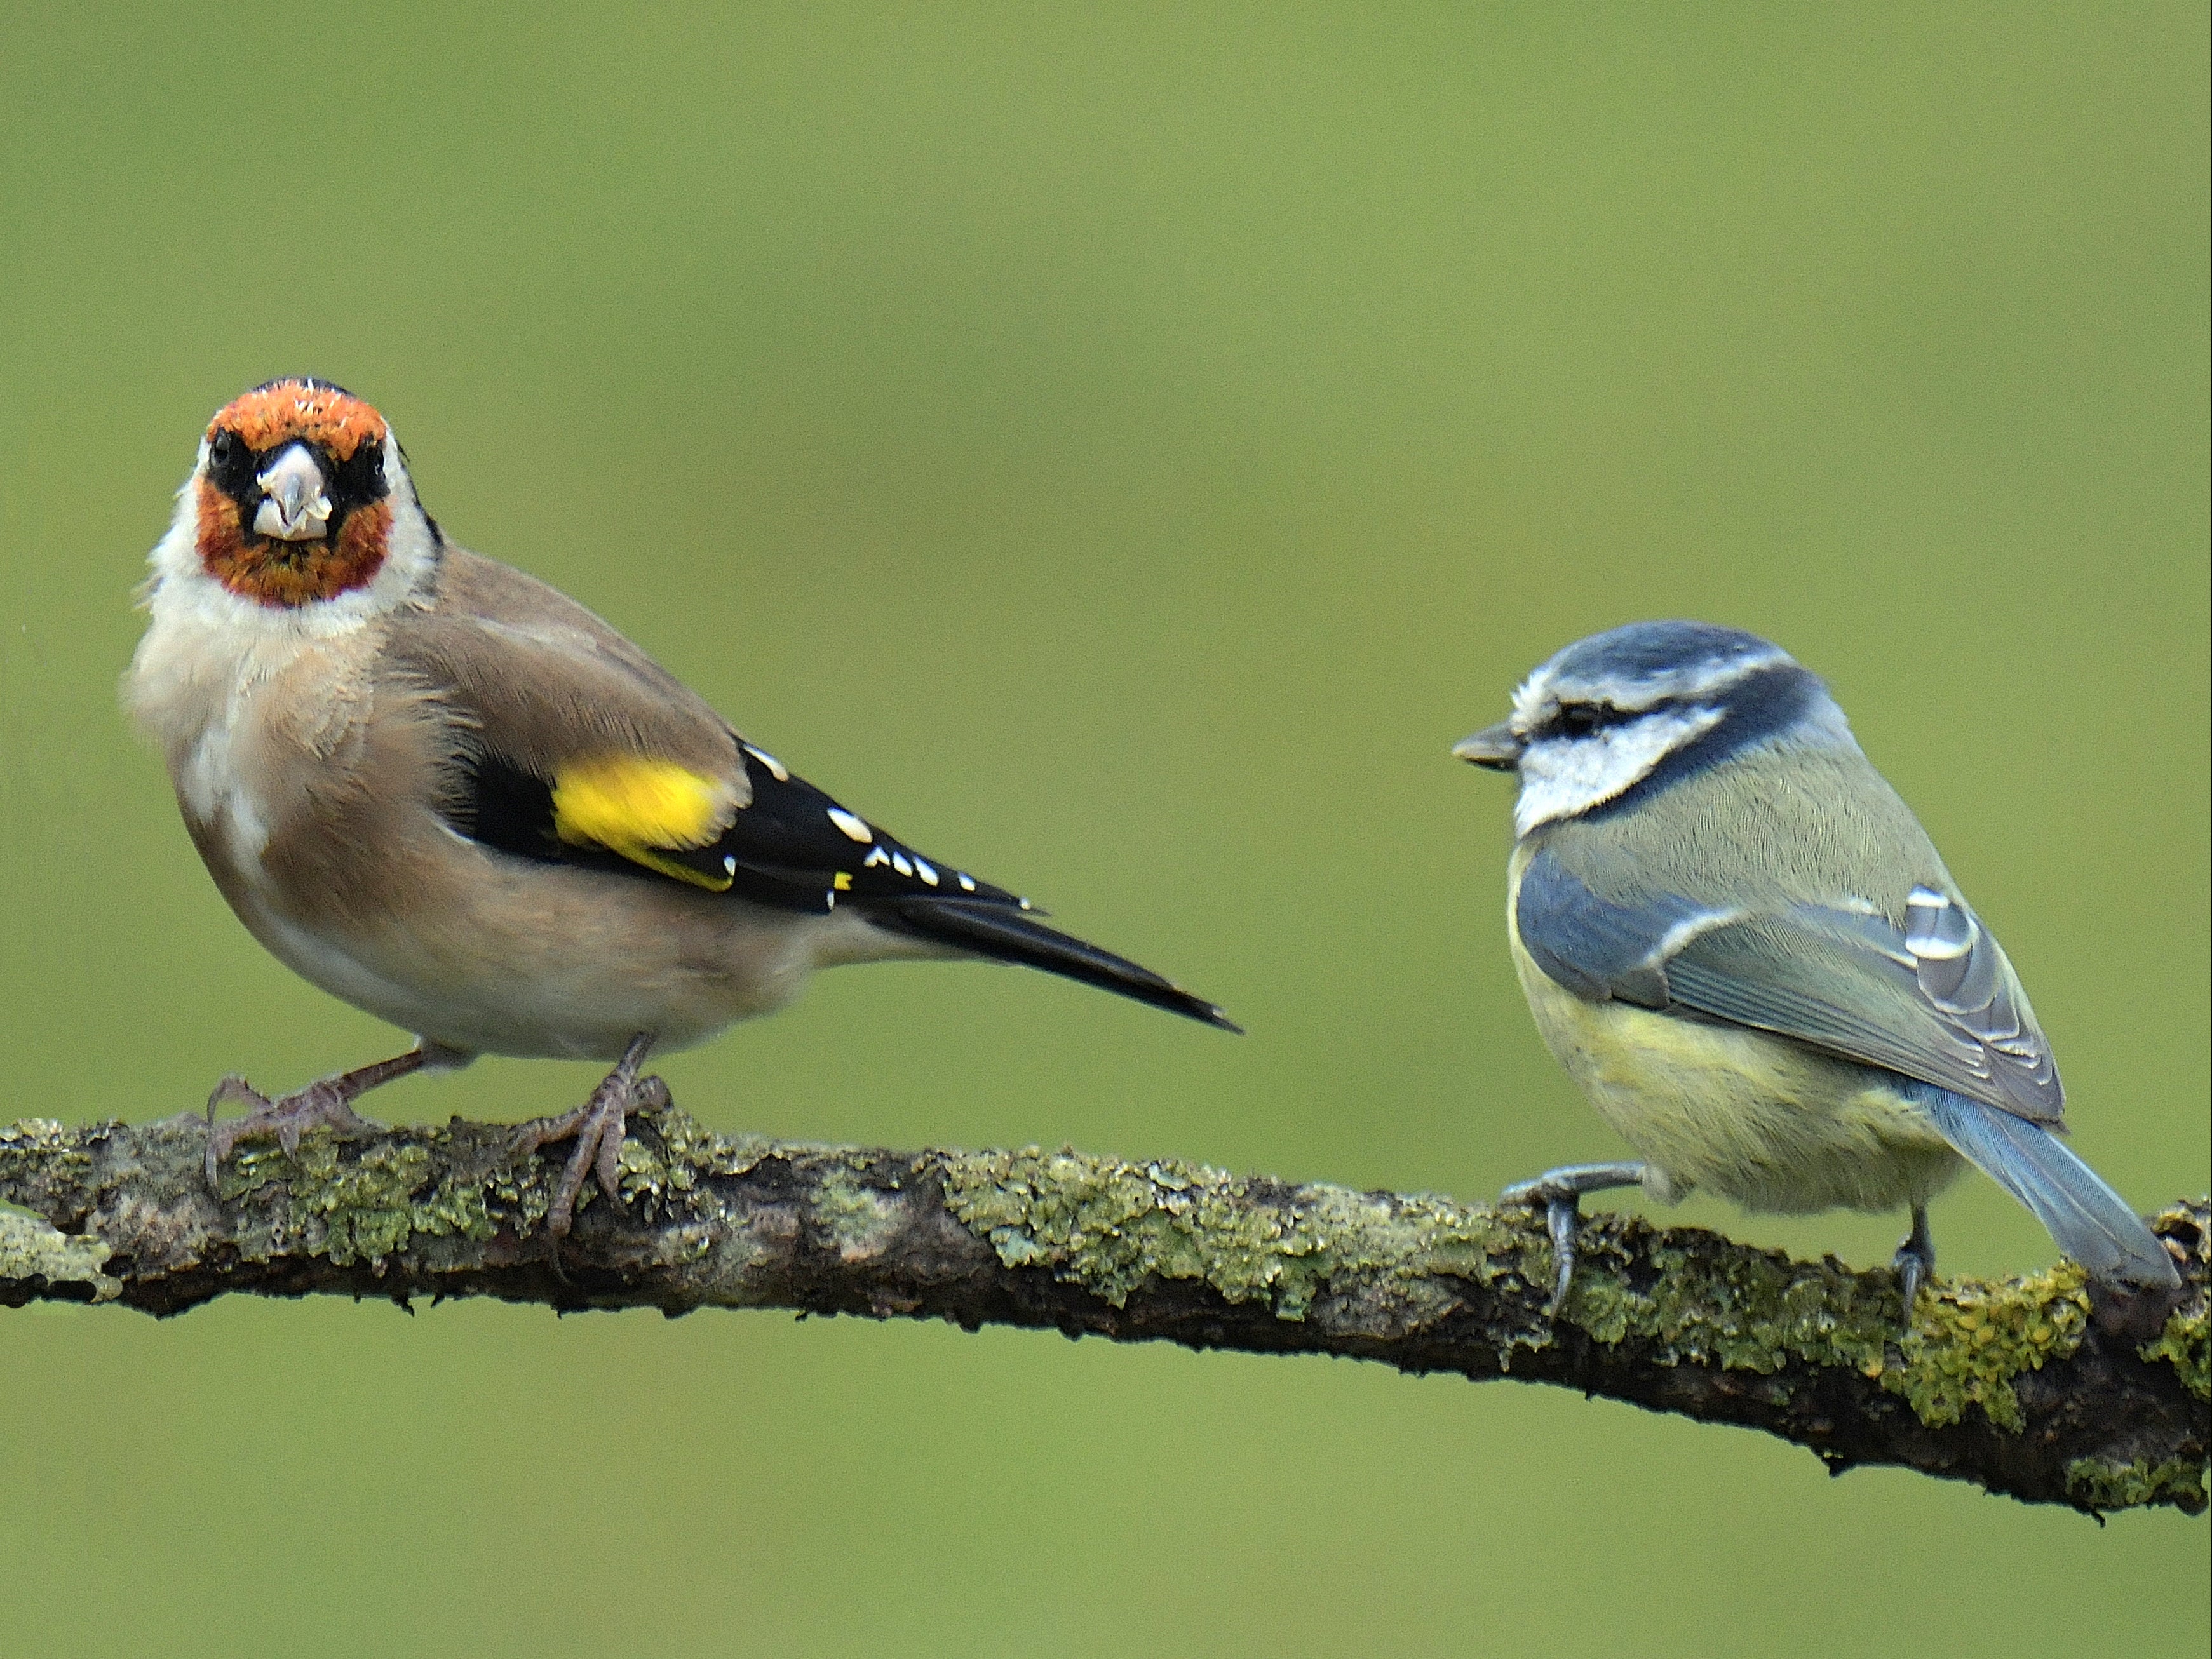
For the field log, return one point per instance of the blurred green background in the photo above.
(1121, 450)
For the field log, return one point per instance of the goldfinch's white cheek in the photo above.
(1562, 776)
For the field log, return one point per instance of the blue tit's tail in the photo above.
(2091, 1222)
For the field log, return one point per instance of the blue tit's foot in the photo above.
(598, 1127)
(327, 1101)
(1915, 1261)
(1560, 1191)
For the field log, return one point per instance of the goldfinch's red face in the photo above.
(294, 503)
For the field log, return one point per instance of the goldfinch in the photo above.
(446, 793)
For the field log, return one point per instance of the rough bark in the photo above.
(2047, 1388)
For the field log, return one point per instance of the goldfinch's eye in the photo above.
(229, 461)
(362, 479)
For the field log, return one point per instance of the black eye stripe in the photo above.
(1580, 720)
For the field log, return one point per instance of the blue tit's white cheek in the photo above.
(1562, 776)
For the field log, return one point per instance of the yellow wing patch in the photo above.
(638, 807)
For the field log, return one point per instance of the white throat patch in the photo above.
(1562, 776)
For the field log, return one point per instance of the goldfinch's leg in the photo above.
(1915, 1261)
(598, 1127)
(329, 1100)
(1560, 1191)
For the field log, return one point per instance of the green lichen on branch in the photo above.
(2186, 1341)
(2045, 1387)
(32, 1250)
(352, 1202)
(1741, 1310)
(860, 1218)
(38, 1151)
(2101, 1484)
(1761, 1311)
(359, 1203)
(1110, 1225)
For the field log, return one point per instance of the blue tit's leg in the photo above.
(1915, 1261)
(1560, 1191)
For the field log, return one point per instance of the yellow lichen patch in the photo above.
(643, 808)
(1758, 1311)
(2186, 1341)
(1969, 1340)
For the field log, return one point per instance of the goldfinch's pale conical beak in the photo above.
(297, 504)
(1494, 746)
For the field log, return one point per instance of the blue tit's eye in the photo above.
(1583, 719)
(1579, 719)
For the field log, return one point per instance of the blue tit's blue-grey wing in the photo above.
(1600, 949)
(1933, 999)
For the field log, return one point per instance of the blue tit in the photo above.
(1738, 940)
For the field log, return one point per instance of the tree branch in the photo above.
(2047, 1388)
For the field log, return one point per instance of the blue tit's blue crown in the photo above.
(1642, 664)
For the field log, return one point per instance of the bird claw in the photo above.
(1914, 1261)
(327, 1101)
(1562, 1217)
(1560, 1191)
(598, 1127)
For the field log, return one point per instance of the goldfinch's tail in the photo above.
(999, 931)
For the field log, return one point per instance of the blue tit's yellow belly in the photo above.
(1765, 1122)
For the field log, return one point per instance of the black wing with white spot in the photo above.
(796, 848)
(793, 847)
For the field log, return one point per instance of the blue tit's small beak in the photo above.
(1494, 746)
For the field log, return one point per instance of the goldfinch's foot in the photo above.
(327, 1101)
(1560, 1191)
(598, 1127)
(1914, 1261)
